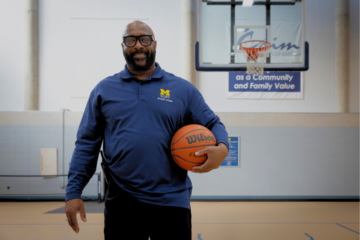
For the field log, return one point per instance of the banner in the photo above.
(271, 85)
(232, 159)
(285, 39)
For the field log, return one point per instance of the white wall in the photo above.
(80, 44)
(11, 55)
(75, 54)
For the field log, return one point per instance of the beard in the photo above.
(130, 61)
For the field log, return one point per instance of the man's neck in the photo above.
(142, 75)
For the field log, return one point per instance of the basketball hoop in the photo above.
(255, 52)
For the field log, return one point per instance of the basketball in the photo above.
(187, 141)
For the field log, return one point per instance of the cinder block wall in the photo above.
(22, 135)
(282, 155)
(288, 155)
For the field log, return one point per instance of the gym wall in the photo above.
(282, 155)
(80, 45)
(298, 147)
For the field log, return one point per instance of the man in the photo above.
(148, 195)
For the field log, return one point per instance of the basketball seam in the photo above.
(194, 147)
(190, 132)
(186, 160)
(174, 157)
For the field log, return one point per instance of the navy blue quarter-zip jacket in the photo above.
(136, 120)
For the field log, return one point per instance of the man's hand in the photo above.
(216, 156)
(73, 206)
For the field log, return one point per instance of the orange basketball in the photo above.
(187, 141)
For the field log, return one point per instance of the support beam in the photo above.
(232, 26)
(188, 41)
(268, 23)
(31, 98)
(342, 55)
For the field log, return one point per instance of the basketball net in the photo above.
(255, 52)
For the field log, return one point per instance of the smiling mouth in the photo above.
(139, 56)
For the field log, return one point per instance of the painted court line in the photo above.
(347, 228)
(311, 238)
(277, 223)
(41, 224)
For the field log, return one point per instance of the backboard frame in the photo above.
(274, 67)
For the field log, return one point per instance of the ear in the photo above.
(122, 45)
(155, 44)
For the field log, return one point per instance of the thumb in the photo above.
(201, 152)
(82, 213)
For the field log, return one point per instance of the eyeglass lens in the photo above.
(131, 41)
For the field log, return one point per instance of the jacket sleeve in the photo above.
(198, 112)
(89, 138)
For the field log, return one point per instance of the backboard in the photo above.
(223, 24)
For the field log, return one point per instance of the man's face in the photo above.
(139, 57)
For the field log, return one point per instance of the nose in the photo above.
(138, 44)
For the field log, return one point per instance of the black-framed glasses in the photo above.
(145, 40)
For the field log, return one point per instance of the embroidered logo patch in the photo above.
(164, 95)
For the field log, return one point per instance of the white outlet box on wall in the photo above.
(48, 161)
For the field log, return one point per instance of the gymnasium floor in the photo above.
(211, 221)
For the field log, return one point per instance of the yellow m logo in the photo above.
(165, 92)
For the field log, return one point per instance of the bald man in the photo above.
(148, 195)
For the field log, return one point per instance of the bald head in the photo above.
(137, 28)
(139, 51)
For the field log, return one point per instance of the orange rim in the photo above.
(254, 50)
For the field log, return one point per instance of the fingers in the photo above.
(208, 165)
(204, 168)
(71, 208)
(72, 221)
(82, 213)
(199, 170)
(216, 156)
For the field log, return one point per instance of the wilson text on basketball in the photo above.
(199, 138)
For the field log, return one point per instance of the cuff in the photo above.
(72, 196)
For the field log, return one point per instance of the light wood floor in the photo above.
(211, 221)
